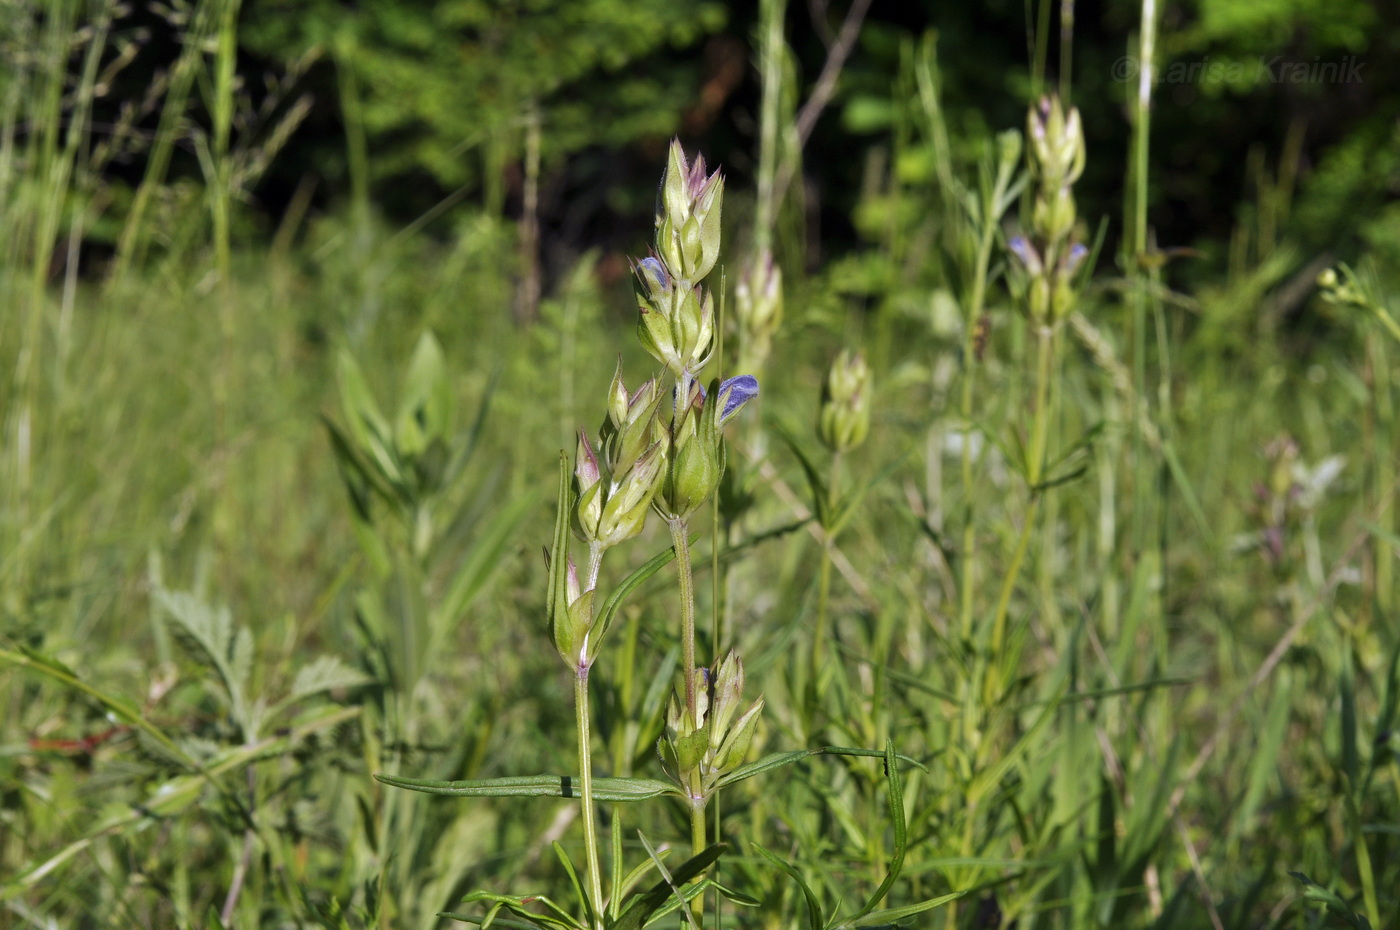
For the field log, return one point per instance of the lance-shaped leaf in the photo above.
(540, 786)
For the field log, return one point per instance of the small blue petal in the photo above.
(1073, 258)
(1020, 247)
(654, 273)
(736, 392)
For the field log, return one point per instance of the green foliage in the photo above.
(439, 80)
(1123, 596)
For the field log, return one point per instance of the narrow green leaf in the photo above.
(633, 877)
(467, 445)
(779, 759)
(1351, 757)
(893, 916)
(820, 501)
(577, 885)
(556, 599)
(616, 884)
(368, 428)
(989, 777)
(629, 584)
(486, 556)
(425, 404)
(559, 919)
(122, 708)
(895, 790)
(814, 908)
(850, 503)
(539, 786)
(638, 912)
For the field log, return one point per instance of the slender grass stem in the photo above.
(824, 579)
(974, 314)
(1035, 462)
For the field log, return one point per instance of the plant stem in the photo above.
(697, 827)
(681, 542)
(974, 316)
(679, 534)
(590, 813)
(1035, 462)
(824, 583)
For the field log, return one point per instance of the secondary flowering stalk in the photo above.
(1048, 259)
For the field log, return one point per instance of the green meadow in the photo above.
(384, 546)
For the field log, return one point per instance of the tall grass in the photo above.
(1119, 597)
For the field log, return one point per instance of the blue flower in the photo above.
(1070, 263)
(734, 393)
(1021, 247)
(654, 275)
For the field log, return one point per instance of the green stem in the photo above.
(697, 828)
(679, 540)
(590, 813)
(771, 14)
(985, 242)
(1035, 463)
(833, 494)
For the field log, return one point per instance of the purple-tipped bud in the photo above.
(734, 393)
(1073, 259)
(653, 275)
(1021, 247)
(688, 222)
(571, 585)
(585, 463)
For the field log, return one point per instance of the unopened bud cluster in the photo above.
(697, 444)
(1052, 254)
(758, 305)
(845, 413)
(614, 493)
(1343, 289)
(702, 746)
(677, 324)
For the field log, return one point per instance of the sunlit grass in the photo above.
(1128, 604)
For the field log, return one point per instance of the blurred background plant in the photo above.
(223, 219)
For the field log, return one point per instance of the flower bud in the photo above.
(1057, 141)
(697, 446)
(1072, 260)
(677, 325)
(758, 306)
(688, 224)
(697, 465)
(589, 488)
(845, 413)
(1021, 247)
(700, 750)
(633, 424)
(686, 742)
(1009, 147)
(630, 496)
(728, 692)
(1053, 214)
(735, 746)
(573, 625)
